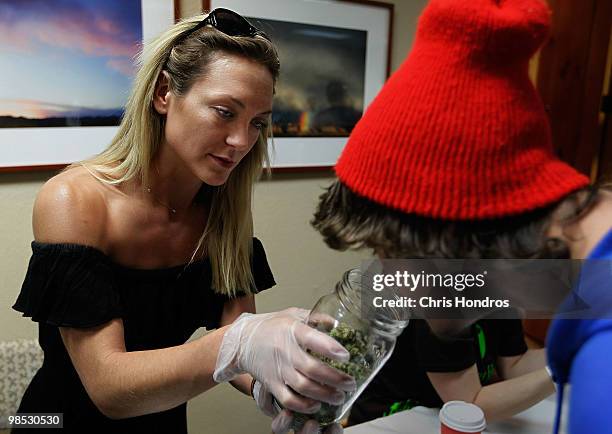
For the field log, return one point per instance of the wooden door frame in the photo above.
(570, 78)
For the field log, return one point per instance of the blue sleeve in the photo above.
(591, 386)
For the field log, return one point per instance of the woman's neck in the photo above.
(172, 184)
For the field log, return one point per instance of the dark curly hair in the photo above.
(349, 221)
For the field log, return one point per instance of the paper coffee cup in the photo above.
(458, 417)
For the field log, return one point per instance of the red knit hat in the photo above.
(459, 132)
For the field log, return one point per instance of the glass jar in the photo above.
(368, 334)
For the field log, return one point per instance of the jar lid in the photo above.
(463, 416)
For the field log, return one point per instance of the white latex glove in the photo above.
(264, 399)
(282, 421)
(271, 347)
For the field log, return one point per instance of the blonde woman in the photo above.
(141, 245)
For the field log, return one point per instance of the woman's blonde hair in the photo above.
(227, 235)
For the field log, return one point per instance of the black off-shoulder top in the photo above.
(71, 285)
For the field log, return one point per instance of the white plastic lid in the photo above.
(463, 416)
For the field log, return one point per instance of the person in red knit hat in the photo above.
(454, 159)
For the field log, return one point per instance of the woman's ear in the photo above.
(162, 93)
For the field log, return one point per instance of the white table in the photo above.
(420, 420)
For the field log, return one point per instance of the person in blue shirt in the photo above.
(579, 350)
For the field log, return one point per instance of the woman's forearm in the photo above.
(232, 310)
(509, 397)
(243, 383)
(142, 382)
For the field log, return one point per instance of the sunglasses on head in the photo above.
(229, 22)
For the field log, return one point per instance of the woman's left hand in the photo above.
(282, 424)
(282, 420)
(264, 399)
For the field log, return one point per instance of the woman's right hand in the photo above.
(272, 348)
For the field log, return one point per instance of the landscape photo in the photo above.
(320, 92)
(67, 63)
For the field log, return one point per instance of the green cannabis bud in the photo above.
(357, 366)
(355, 343)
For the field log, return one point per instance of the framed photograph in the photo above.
(67, 67)
(335, 57)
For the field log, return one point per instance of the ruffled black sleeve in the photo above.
(69, 285)
(260, 268)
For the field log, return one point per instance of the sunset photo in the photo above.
(67, 62)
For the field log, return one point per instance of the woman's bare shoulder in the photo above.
(71, 208)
